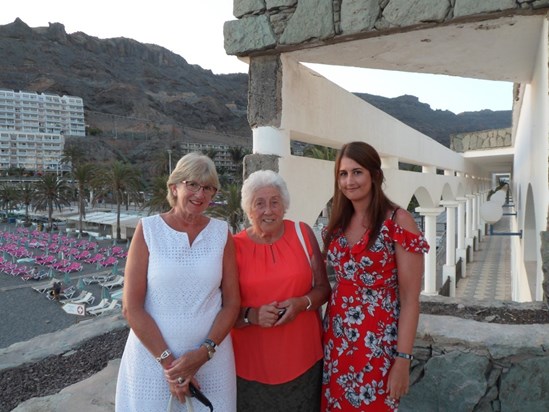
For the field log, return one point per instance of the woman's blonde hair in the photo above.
(196, 167)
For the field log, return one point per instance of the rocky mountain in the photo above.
(438, 124)
(139, 97)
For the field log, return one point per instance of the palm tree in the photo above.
(26, 196)
(237, 154)
(9, 197)
(72, 154)
(229, 208)
(51, 191)
(122, 181)
(83, 174)
(211, 152)
(320, 152)
(157, 203)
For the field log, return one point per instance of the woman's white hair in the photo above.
(258, 180)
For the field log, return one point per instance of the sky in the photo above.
(194, 30)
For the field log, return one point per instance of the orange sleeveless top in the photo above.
(275, 273)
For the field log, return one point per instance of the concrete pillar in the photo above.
(461, 251)
(449, 269)
(430, 215)
(269, 140)
(469, 235)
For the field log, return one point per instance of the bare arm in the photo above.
(410, 269)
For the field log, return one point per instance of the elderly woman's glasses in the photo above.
(195, 187)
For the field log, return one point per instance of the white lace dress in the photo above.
(183, 297)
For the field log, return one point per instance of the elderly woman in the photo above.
(277, 338)
(181, 299)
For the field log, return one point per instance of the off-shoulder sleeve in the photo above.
(411, 242)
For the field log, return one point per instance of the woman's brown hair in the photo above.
(342, 208)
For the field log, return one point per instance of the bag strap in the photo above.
(302, 240)
(188, 404)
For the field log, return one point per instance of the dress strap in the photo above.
(394, 213)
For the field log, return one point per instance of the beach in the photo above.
(44, 349)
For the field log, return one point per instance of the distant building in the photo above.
(33, 128)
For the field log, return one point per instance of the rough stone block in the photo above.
(277, 4)
(248, 34)
(526, 386)
(313, 19)
(401, 13)
(255, 162)
(471, 7)
(358, 15)
(245, 7)
(264, 94)
(452, 382)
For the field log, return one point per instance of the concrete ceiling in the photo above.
(503, 49)
(500, 50)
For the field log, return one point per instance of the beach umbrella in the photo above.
(105, 294)
(80, 285)
(50, 273)
(114, 269)
(67, 278)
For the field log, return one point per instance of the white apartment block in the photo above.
(33, 128)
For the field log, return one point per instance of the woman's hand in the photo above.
(291, 307)
(265, 316)
(181, 371)
(398, 382)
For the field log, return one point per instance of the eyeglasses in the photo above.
(195, 187)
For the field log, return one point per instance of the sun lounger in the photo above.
(83, 297)
(117, 281)
(98, 279)
(111, 305)
(102, 304)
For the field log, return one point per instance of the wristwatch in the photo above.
(210, 347)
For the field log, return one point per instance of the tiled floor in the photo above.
(489, 273)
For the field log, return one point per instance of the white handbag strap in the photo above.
(188, 404)
(302, 240)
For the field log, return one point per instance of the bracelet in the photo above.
(310, 302)
(404, 356)
(163, 355)
(246, 313)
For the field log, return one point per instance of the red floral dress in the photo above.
(361, 322)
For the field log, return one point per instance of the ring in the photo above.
(180, 380)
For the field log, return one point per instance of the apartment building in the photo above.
(33, 128)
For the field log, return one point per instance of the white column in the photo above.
(430, 215)
(449, 269)
(477, 202)
(482, 223)
(271, 141)
(461, 251)
(469, 236)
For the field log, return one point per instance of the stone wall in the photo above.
(280, 24)
(487, 139)
(464, 365)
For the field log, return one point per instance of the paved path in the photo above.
(488, 275)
